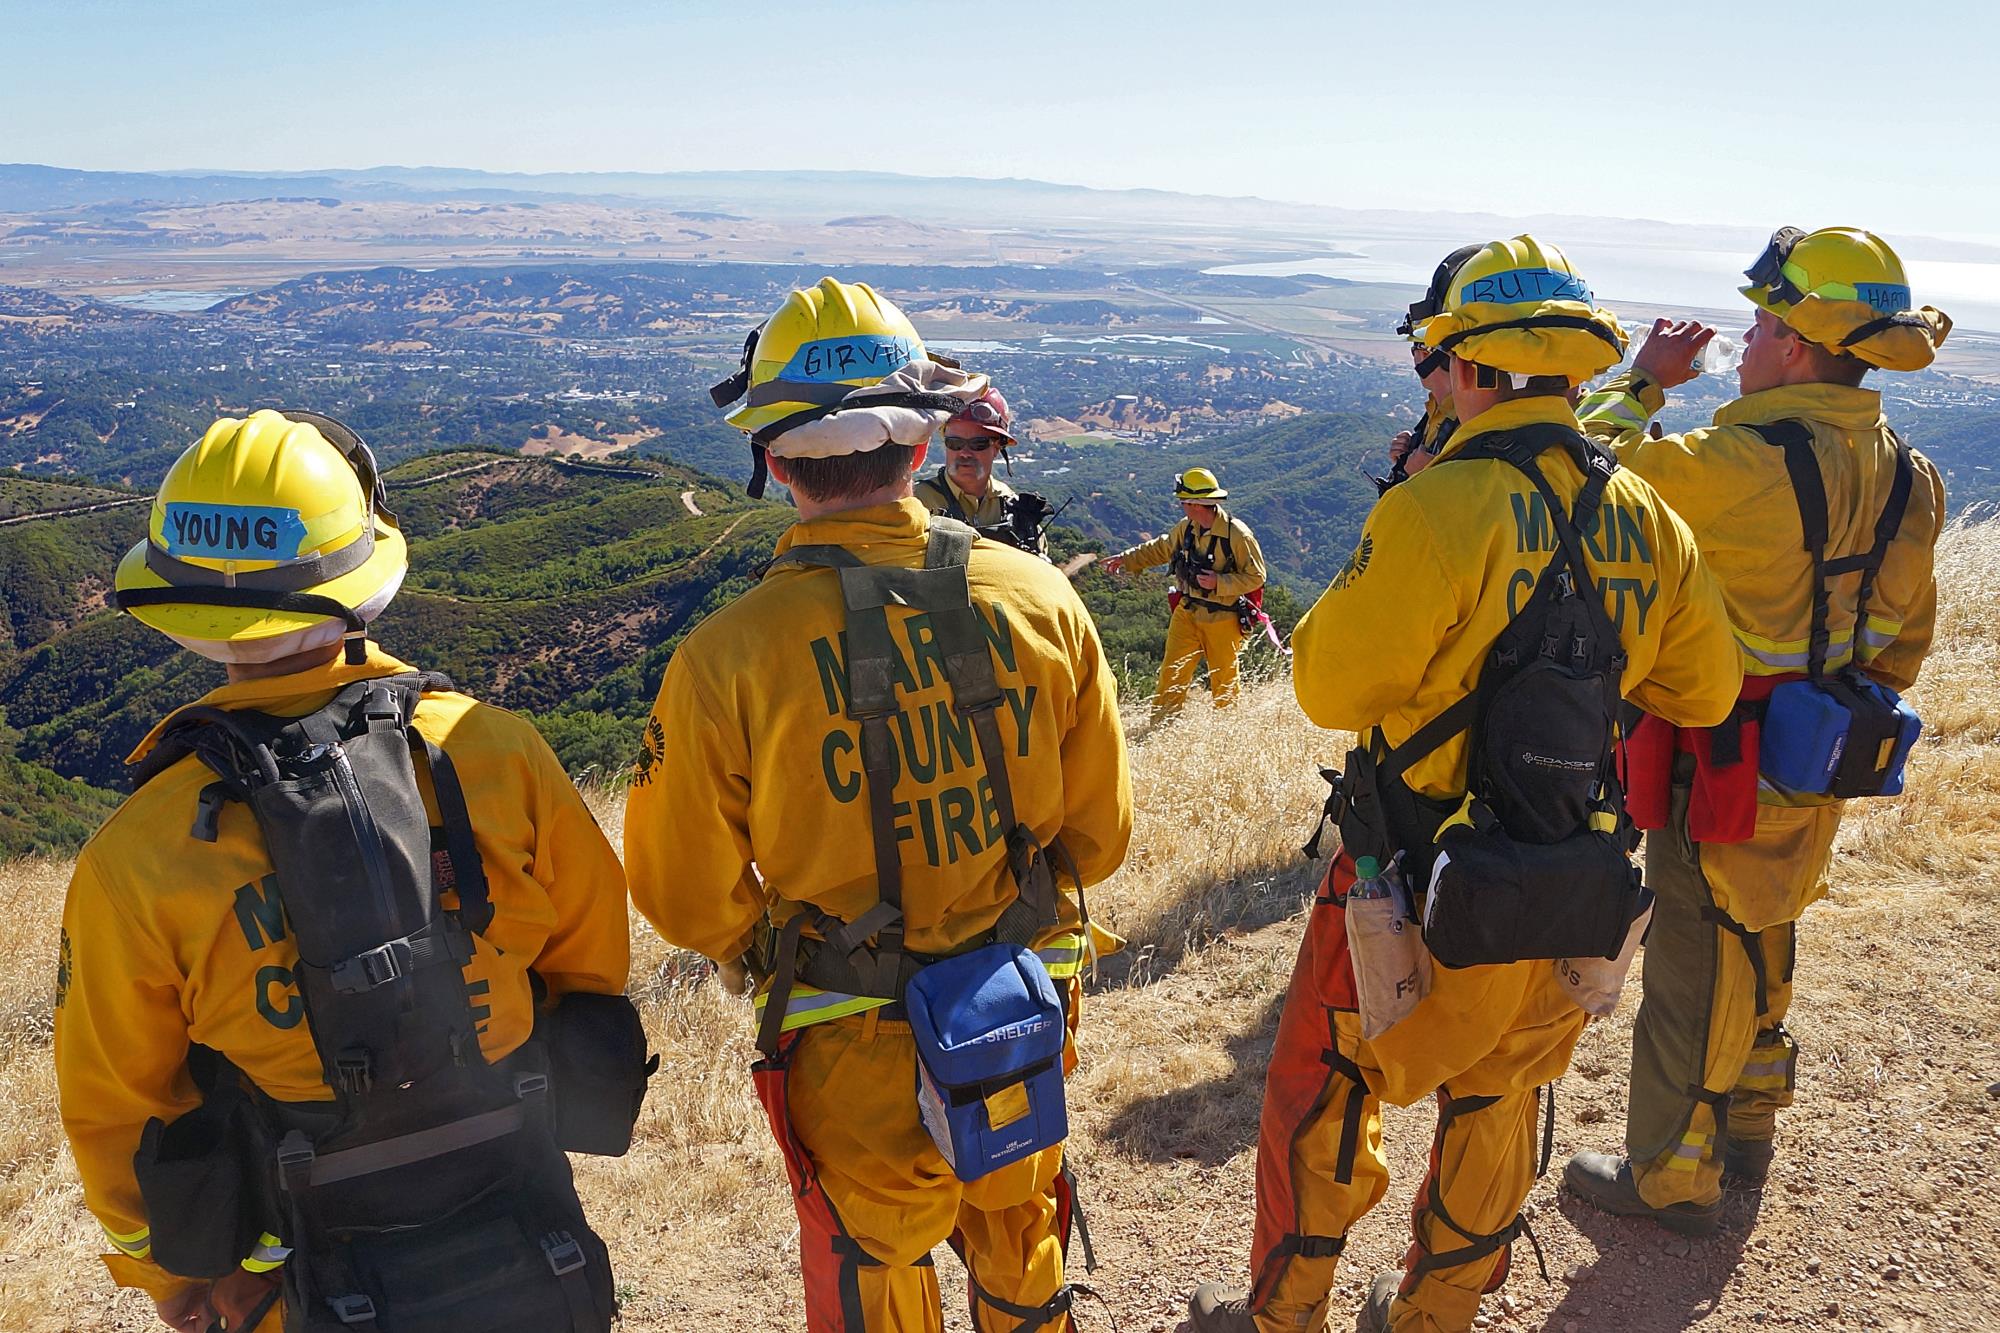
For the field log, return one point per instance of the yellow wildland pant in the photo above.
(1190, 639)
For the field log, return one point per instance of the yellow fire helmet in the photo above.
(1518, 306)
(1199, 486)
(268, 537)
(1845, 289)
(838, 369)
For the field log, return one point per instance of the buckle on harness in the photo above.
(295, 1159)
(527, 1085)
(377, 967)
(354, 1309)
(563, 1253)
(354, 1070)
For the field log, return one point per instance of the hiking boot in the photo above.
(1748, 1159)
(1214, 1308)
(1604, 1180)
(1374, 1316)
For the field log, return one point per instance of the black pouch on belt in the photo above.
(598, 1067)
(204, 1182)
(1496, 900)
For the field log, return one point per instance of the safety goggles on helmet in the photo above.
(1769, 270)
(1433, 299)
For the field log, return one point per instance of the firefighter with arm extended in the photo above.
(1217, 594)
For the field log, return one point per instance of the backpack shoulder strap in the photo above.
(1795, 438)
(1520, 448)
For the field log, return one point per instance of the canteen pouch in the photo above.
(201, 1178)
(989, 1033)
(1594, 984)
(598, 1067)
(1847, 736)
(1392, 968)
(1495, 900)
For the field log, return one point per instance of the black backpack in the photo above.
(432, 1193)
(1534, 863)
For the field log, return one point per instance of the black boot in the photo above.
(1748, 1160)
(1604, 1180)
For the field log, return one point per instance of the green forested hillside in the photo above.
(560, 588)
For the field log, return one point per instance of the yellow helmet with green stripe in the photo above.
(1519, 306)
(1845, 289)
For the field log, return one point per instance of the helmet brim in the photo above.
(228, 624)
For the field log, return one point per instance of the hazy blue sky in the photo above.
(1880, 114)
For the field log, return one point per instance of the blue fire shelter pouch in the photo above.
(989, 1030)
(1837, 733)
(1845, 735)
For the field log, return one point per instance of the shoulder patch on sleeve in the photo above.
(1357, 564)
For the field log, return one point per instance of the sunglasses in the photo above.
(970, 444)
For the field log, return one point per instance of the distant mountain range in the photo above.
(825, 195)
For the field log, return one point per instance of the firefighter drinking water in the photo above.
(1820, 525)
(879, 783)
(1498, 606)
(1218, 572)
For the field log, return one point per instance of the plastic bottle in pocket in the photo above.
(1392, 968)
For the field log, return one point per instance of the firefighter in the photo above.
(864, 772)
(1217, 567)
(269, 551)
(966, 489)
(1449, 563)
(1805, 455)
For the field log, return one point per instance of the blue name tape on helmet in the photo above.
(1525, 284)
(831, 360)
(1887, 297)
(232, 532)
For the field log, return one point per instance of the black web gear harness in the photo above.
(361, 877)
(866, 956)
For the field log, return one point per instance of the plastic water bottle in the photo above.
(1722, 355)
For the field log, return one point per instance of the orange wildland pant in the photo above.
(1483, 1041)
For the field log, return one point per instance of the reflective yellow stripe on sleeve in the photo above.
(1616, 406)
(138, 1244)
(268, 1255)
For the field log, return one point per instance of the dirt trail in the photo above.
(687, 498)
(74, 510)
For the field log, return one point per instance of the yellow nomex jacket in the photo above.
(1732, 488)
(1238, 560)
(749, 797)
(941, 495)
(168, 940)
(1443, 563)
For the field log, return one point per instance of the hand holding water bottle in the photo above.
(1673, 352)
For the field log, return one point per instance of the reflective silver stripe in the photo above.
(1608, 404)
(268, 1255)
(137, 1244)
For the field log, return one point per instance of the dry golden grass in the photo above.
(1898, 985)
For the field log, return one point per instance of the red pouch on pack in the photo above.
(1646, 768)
